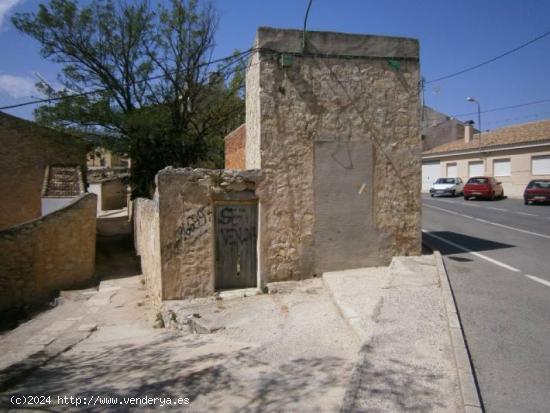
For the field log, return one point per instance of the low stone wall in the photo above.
(147, 244)
(40, 257)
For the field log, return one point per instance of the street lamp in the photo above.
(471, 99)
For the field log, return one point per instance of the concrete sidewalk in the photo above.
(407, 361)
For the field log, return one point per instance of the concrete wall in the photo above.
(520, 163)
(147, 244)
(25, 152)
(235, 149)
(174, 233)
(352, 91)
(54, 252)
(95, 188)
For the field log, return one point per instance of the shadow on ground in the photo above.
(214, 381)
(467, 241)
(392, 386)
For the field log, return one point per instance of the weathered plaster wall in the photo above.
(25, 151)
(147, 244)
(253, 113)
(54, 252)
(350, 90)
(186, 204)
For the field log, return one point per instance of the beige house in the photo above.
(514, 155)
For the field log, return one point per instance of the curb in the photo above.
(350, 317)
(466, 377)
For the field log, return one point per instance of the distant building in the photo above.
(107, 176)
(41, 170)
(514, 155)
(438, 128)
(104, 158)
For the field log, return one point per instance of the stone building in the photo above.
(332, 130)
(37, 165)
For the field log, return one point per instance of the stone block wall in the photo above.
(337, 125)
(55, 252)
(26, 150)
(235, 149)
(147, 244)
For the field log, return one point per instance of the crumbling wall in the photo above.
(54, 252)
(147, 244)
(310, 113)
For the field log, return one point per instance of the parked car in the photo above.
(447, 186)
(483, 187)
(538, 190)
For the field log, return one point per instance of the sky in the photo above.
(453, 35)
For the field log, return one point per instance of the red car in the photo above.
(538, 190)
(483, 187)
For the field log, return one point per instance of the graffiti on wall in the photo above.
(196, 223)
(236, 225)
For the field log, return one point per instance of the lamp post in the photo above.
(471, 99)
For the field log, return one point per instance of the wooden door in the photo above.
(236, 233)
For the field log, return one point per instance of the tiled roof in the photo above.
(63, 181)
(512, 135)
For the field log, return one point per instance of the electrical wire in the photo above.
(99, 90)
(468, 69)
(535, 102)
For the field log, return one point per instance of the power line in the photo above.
(535, 102)
(99, 90)
(516, 118)
(468, 69)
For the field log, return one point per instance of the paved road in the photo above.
(497, 254)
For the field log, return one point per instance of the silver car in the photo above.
(447, 186)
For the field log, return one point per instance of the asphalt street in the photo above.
(497, 254)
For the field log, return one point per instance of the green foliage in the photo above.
(148, 89)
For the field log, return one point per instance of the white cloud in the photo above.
(16, 86)
(5, 6)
